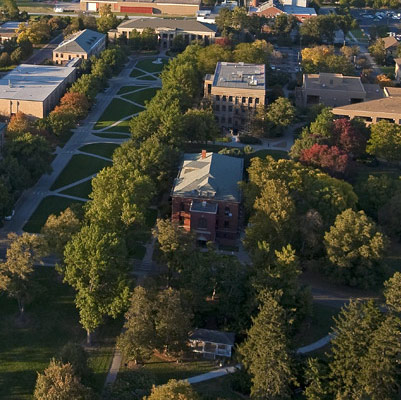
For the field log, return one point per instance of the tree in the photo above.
(265, 352)
(76, 103)
(138, 338)
(16, 272)
(10, 10)
(378, 51)
(172, 322)
(385, 141)
(330, 159)
(19, 124)
(58, 230)
(355, 249)
(107, 20)
(120, 196)
(59, 382)
(257, 52)
(62, 120)
(208, 57)
(350, 137)
(389, 216)
(280, 114)
(173, 390)
(392, 292)
(96, 267)
(87, 85)
(178, 44)
(200, 125)
(75, 354)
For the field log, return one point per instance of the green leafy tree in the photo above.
(138, 339)
(200, 125)
(75, 354)
(173, 390)
(107, 20)
(389, 216)
(355, 249)
(16, 272)
(265, 352)
(257, 52)
(10, 9)
(392, 292)
(172, 322)
(59, 382)
(96, 267)
(62, 120)
(385, 141)
(280, 114)
(87, 85)
(208, 57)
(378, 51)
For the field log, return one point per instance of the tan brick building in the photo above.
(82, 44)
(387, 108)
(334, 90)
(235, 90)
(168, 29)
(206, 197)
(33, 89)
(168, 7)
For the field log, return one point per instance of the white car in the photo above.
(58, 9)
(10, 217)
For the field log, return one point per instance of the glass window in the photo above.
(230, 108)
(202, 223)
(217, 107)
(244, 99)
(226, 224)
(223, 108)
(217, 98)
(227, 211)
(224, 98)
(230, 98)
(250, 100)
(257, 100)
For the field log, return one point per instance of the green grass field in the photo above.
(110, 135)
(135, 73)
(52, 321)
(115, 111)
(81, 190)
(141, 96)
(127, 89)
(219, 388)
(49, 205)
(122, 127)
(147, 78)
(148, 65)
(80, 166)
(100, 149)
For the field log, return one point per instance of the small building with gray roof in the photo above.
(235, 90)
(211, 343)
(82, 45)
(206, 197)
(167, 30)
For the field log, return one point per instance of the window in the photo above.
(181, 221)
(236, 100)
(230, 108)
(202, 223)
(217, 98)
(227, 211)
(182, 206)
(223, 108)
(243, 99)
(230, 120)
(56, 55)
(217, 107)
(224, 98)
(61, 55)
(230, 98)
(236, 111)
(226, 224)
(250, 100)
(223, 120)
(257, 100)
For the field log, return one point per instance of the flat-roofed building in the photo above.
(8, 30)
(206, 196)
(33, 89)
(168, 7)
(235, 90)
(81, 45)
(334, 90)
(168, 29)
(387, 108)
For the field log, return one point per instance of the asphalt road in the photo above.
(46, 52)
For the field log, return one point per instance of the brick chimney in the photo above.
(203, 154)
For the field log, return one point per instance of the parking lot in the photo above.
(368, 18)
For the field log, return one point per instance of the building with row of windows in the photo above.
(235, 90)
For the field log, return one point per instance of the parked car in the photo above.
(58, 9)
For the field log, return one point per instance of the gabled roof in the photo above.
(208, 335)
(187, 25)
(81, 42)
(214, 177)
(390, 41)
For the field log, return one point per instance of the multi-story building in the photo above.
(272, 8)
(397, 69)
(334, 90)
(177, 7)
(168, 29)
(8, 30)
(387, 108)
(206, 197)
(235, 90)
(81, 45)
(34, 89)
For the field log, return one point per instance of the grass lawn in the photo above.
(100, 149)
(115, 111)
(148, 65)
(150, 217)
(127, 89)
(137, 251)
(49, 205)
(387, 70)
(52, 321)
(147, 78)
(163, 370)
(316, 326)
(122, 127)
(276, 154)
(111, 135)
(141, 96)
(82, 190)
(219, 388)
(78, 168)
(135, 73)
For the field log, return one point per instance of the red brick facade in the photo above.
(221, 226)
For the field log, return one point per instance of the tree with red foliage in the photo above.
(349, 137)
(77, 103)
(20, 124)
(330, 159)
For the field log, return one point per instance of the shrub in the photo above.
(247, 139)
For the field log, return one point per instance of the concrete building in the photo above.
(335, 90)
(235, 90)
(272, 8)
(177, 7)
(168, 29)
(81, 45)
(397, 69)
(206, 197)
(387, 108)
(33, 89)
